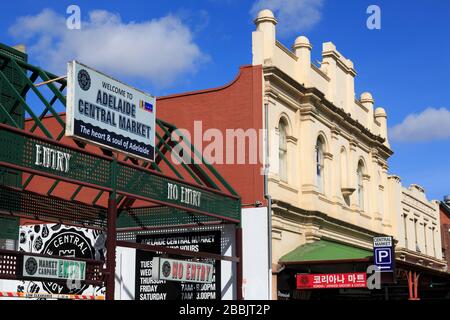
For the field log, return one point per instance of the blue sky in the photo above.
(405, 64)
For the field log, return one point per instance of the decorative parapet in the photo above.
(334, 78)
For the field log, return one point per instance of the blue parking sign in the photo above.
(383, 254)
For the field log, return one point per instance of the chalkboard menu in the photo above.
(148, 289)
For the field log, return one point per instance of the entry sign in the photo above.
(40, 267)
(106, 112)
(383, 254)
(180, 270)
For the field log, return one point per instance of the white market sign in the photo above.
(180, 270)
(40, 267)
(379, 242)
(106, 112)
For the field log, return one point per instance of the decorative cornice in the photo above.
(320, 218)
(395, 178)
(419, 258)
(353, 144)
(335, 132)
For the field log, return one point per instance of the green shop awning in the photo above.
(324, 250)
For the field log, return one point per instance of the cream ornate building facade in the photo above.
(329, 155)
(416, 225)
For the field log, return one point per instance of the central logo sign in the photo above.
(84, 80)
(31, 266)
(67, 243)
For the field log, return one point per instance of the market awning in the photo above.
(324, 250)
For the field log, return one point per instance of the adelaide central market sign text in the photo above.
(107, 112)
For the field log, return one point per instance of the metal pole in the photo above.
(111, 234)
(50, 81)
(239, 274)
(111, 247)
(416, 286)
(410, 285)
(269, 201)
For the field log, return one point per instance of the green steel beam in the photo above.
(31, 67)
(25, 89)
(8, 116)
(27, 182)
(97, 197)
(209, 166)
(16, 102)
(75, 193)
(52, 87)
(145, 165)
(163, 157)
(203, 174)
(26, 106)
(191, 173)
(40, 96)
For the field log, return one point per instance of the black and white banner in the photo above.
(147, 288)
(59, 241)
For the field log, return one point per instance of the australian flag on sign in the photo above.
(147, 106)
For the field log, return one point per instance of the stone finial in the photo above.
(265, 16)
(366, 97)
(302, 42)
(380, 113)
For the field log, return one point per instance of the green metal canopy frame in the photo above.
(129, 179)
(117, 185)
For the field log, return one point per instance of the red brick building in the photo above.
(445, 228)
(237, 105)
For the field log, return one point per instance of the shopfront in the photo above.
(327, 270)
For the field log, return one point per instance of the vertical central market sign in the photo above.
(107, 112)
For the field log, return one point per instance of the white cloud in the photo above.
(430, 124)
(294, 16)
(160, 50)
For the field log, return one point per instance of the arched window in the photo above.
(344, 177)
(319, 164)
(282, 148)
(360, 173)
(380, 195)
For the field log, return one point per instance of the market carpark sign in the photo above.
(52, 268)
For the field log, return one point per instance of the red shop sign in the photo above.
(332, 280)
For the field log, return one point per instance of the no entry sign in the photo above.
(180, 270)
